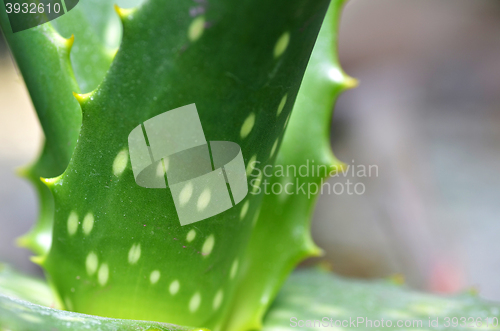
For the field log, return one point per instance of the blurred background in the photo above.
(426, 113)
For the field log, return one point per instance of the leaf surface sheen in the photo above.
(239, 62)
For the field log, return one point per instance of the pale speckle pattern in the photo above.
(91, 263)
(195, 302)
(191, 235)
(244, 209)
(103, 274)
(186, 193)
(247, 126)
(219, 296)
(251, 164)
(120, 162)
(208, 245)
(154, 277)
(204, 199)
(174, 287)
(88, 223)
(134, 254)
(234, 269)
(273, 149)
(282, 104)
(281, 44)
(196, 28)
(72, 223)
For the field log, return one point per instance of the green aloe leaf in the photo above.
(18, 314)
(315, 295)
(27, 303)
(310, 297)
(281, 236)
(16, 285)
(236, 61)
(50, 82)
(98, 32)
(242, 64)
(118, 249)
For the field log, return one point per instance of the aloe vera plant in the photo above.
(113, 249)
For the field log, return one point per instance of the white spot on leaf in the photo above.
(204, 199)
(72, 223)
(219, 296)
(282, 104)
(273, 149)
(281, 44)
(196, 28)
(154, 277)
(191, 235)
(162, 167)
(208, 245)
(244, 209)
(234, 269)
(195, 302)
(247, 126)
(91, 263)
(103, 274)
(88, 223)
(134, 254)
(186, 193)
(120, 162)
(174, 287)
(287, 119)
